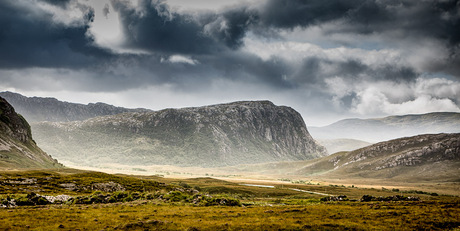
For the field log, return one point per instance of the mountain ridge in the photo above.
(421, 158)
(36, 109)
(390, 127)
(213, 135)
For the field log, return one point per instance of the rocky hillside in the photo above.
(423, 157)
(17, 148)
(391, 127)
(217, 135)
(36, 109)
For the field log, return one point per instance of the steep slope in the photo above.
(17, 148)
(217, 135)
(391, 127)
(36, 109)
(420, 158)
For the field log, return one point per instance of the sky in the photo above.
(328, 59)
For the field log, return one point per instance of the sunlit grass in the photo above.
(159, 204)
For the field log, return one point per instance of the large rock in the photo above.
(217, 135)
(17, 148)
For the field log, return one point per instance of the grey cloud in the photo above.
(60, 3)
(156, 28)
(106, 10)
(291, 14)
(38, 42)
(316, 70)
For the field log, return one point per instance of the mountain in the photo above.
(418, 158)
(36, 109)
(17, 148)
(391, 127)
(216, 135)
(422, 158)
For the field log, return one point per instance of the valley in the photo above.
(157, 203)
(247, 165)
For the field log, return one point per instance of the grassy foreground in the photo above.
(318, 216)
(152, 203)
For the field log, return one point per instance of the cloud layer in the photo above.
(357, 57)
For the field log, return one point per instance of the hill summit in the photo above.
(218, 135)
(17, 148)
(36, 109)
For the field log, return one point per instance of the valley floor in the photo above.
(103, 201)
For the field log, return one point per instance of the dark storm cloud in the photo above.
(60, 3)
(215, 40)
(30, 38)
(155, 28)
(438, 19)
(315, 70)
(294, 13)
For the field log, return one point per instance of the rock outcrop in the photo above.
(217, 135)
(36, 109)
(423, 157)
(17, 148)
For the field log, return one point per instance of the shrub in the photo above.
(176, 196)
(217, 200)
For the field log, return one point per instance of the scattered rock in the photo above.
(107, 187)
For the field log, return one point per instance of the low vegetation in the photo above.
(72, 199)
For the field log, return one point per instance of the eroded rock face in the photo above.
(13, 124)
(411, 151)
(216, 135)
(17, 148)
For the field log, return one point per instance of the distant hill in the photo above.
(429, 157)
(419, 158)
(17, 148)
(36, 109)
(391, 127)
(217, 135)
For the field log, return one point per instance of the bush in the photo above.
(176, 196)
(216, 200)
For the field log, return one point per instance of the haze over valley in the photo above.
(229, 115)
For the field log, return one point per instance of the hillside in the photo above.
(36, 109)
(431, 157)
(17, 148)
(391, 127)
(423, 158)
(217, 135)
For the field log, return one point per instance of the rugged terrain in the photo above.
(391, 127)
(432, 157)
(17, 148)
(423, 158)
(36, 109)
(218, 135)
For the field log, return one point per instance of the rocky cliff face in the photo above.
(17, 148)
(36, 109)
(217, 135)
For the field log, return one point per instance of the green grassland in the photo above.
(157, 203)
